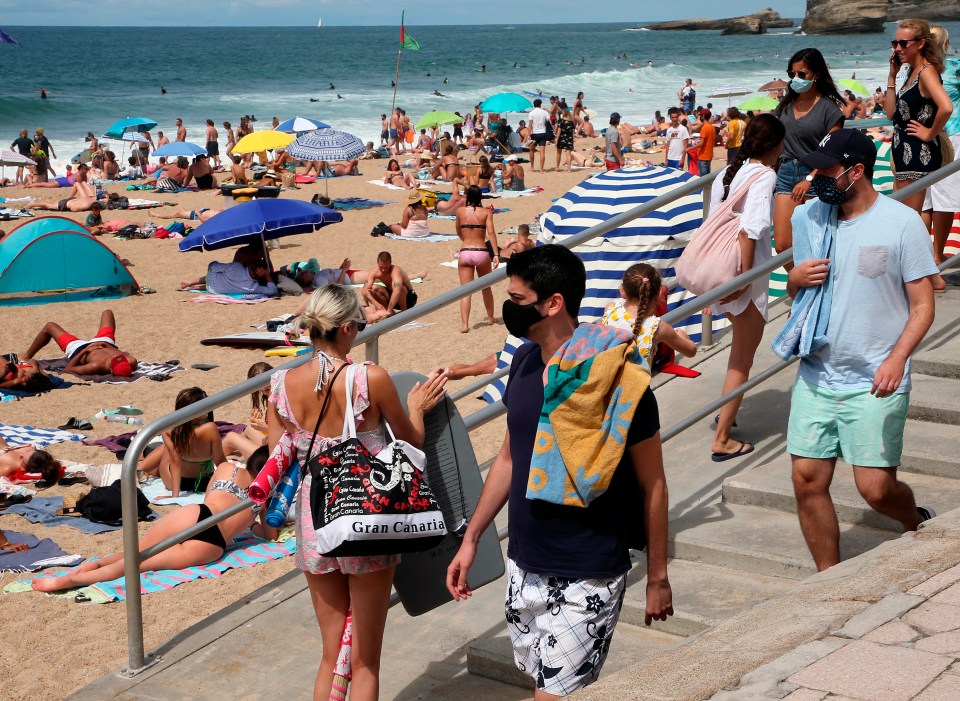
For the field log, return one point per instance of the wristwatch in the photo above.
(808, 178)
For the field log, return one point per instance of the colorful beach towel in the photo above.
(227, 299)
(42, 554)
(346, 203)
(144, 369)
(154, 488)
(432, 238)
(246, 551)
(594, 383)
(40, 437)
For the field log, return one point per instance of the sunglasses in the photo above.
(802, 75)
(361, 324)
(902, 43)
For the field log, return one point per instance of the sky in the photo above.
(250, 13)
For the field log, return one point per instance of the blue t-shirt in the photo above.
(872, 258)
(568, 541)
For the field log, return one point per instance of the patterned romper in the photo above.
(616, 314)
(308, 558)
(912, 157)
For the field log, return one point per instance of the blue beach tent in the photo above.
(59, 256)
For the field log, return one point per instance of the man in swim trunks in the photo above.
(213, 146)
(98, 356)
(395, 295)
(24, 146)
(538, 133)
(394, 143)
(80, 199)
(200, 215)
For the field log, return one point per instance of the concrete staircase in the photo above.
(737, 542)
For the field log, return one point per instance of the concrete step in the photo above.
(928, 449)
(758, 540)
(770, 486)
(703, 595)
(492, 657)
(943, 361)
(935, 399)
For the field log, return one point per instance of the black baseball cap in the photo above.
(848, 146)
(614, 117)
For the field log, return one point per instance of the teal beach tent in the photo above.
(58, 257)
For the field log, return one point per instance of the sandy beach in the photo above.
(61, 645)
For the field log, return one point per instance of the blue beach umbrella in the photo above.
(657, 238)
(259, 220)
(179, 148)
(298, 125)
(118, 129)
(506, 102)
(7, 39)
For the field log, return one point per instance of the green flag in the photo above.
(407, 42)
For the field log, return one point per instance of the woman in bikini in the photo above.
(190, 451)
(413, 224)
(449, 166)
(227, 489)
(397, 177)
(484, 178)
(475, 229)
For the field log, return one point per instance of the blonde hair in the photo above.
(329, 307)
(933, 51)
(941, 36)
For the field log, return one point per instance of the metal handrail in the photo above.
(132, 555)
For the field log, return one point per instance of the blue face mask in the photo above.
(800, 85)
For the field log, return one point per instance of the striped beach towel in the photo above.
(227, 299)
(40, 437)
(246, 551)
(144, 369)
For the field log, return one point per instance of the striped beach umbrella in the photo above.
(658, 239)
(326, 145)
(298, 125)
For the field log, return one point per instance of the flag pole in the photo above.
(396, 81)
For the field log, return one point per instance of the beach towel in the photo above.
(57, 382)
(246, 551)
(806, 328)
(42, 554)
(140, 187)
(347, 203)
(390, 186)
(510, 194)
(15, 199)
(43, 510)
(154, 488)
(146, 204)
(144, 369)
(118, 444)
(10, 213)
(594, 383)
(227, 299)
(432, 238)
(305, 179)
(40, 437)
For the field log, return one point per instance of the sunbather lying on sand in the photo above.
(98, 356)
(228, 488)
(80, 199)
(17, 459)
(200, 215)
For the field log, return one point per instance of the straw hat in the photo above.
(69, 507)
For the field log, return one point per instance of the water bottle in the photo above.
(122, 419)
(283, 496)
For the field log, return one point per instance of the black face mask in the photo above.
(827, 190)
(518, 318)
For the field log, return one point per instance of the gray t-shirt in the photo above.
(804, 134)
(612, 137)
(873, 256)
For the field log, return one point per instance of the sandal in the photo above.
(78, 424)
(68, 481)
(14, 499)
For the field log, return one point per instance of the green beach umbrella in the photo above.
(760, 103)
(854, 86)
(437, 118)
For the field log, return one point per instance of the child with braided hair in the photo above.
(634, 312)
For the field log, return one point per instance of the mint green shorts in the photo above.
(849, 424)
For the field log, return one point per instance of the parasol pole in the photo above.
(396, 78)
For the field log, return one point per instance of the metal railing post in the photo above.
(706, 327)
(372, 350)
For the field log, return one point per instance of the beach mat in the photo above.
(347, 203)
(145, 204)
(227, 299)
(42, 554)
(43, 510)
(144, 369)
(154, 488)
(57, 382)
(432, 238)
(40, 437)
(246, 551)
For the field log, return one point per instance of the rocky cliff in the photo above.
(756, 23)
(845, 16)
(930, 10)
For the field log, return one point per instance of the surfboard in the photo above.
(454, 477)
(260, 339)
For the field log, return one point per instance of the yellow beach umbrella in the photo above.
(265, 140)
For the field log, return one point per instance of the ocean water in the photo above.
(95, 76)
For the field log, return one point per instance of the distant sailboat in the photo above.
(320, 23)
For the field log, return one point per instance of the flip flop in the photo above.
(720, 457)
(67, 481)
(78, 424)
(13, 499)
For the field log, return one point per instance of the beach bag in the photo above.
(713, 255)
(946, 149)
(102, 505)
(365, 504)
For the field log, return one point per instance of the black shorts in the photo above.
(458, 131)
(213, 148)
(539, 139)
(411, 298)
(62, 205)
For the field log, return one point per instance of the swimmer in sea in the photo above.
(163, 90)
(331, 87)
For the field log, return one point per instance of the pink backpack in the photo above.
(713, 255)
